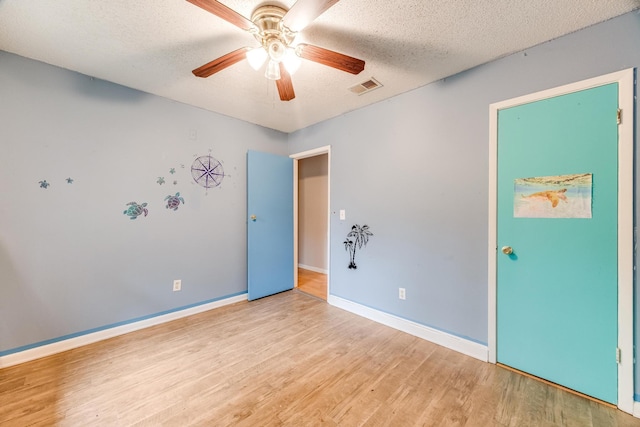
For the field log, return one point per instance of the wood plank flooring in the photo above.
(312, 283)
(285, 360)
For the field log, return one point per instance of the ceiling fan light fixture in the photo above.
(291, 61)
(256, 57)
(277, 50)
(275, 28)
(273, 70)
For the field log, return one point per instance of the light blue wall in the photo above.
(415, 169)
(70, 260)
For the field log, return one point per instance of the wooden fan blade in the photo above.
(304, 11)
(224, 12)
(330, 58)
(221, 63)
(284, 84)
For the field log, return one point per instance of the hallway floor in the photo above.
(312, 283)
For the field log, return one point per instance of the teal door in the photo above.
(557, 292)
(269, 224)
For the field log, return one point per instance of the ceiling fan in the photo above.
(275, 28)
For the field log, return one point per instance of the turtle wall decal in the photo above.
(173, 202)
(135, 210)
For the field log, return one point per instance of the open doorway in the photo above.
(311, 188)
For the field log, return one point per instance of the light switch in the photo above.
(343, 214)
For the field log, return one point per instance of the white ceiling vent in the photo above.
(365, 87)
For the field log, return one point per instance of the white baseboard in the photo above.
(75, 342)
(636, 409)
(464, 346)
(316, 269)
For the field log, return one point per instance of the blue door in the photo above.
(269, 224)
(557, 291)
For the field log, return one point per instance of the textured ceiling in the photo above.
(152, 45)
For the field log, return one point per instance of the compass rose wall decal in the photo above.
(207, 172)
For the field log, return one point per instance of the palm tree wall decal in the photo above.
(356, 239)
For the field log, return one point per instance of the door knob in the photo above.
(507, 250)
(253, 218)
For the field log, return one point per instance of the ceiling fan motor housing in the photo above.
(271, 34)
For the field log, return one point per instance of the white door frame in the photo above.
(625, 80)
(296, 157)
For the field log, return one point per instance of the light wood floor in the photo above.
(312, 283)
(285, 360)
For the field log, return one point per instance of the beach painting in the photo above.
(562, 196)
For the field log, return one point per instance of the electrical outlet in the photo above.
(402, 294)
(177, 285)
(343, 214)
